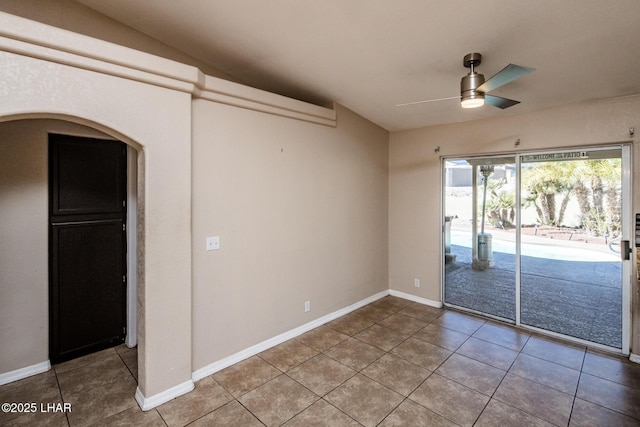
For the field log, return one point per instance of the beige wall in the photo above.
(301, 210)
(24, 282)
(24, 302)
(415, 176)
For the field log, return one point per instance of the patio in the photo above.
(578, 298)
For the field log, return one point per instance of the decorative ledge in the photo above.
(36, 40)
(230, 93)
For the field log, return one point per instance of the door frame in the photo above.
(132, 247)
(627, 230)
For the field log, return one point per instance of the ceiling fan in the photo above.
(474, 89)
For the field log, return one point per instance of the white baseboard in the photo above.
(279, 339)
(425, 301)
(147, 403)
(21, 373)
(634, 358)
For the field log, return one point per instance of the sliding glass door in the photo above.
(534, 239)
(570, 266)
(480, 250)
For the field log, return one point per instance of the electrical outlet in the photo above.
(307, 306)
(213, 243)
(416, 283)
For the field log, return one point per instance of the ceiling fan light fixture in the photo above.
(472, 100)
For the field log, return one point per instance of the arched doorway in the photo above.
(24, 177)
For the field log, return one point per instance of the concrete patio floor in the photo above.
(577, 296)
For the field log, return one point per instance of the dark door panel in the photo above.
(88, 175)
(87, 237)
(88, 286)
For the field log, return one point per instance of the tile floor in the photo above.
(391, 363)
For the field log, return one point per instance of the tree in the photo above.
(501, 205)
(600, 213)
(542, 183)
(593, 182)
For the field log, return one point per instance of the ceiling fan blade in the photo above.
(499, 102)
(428, 100)
(504, 76)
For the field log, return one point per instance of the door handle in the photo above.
(625, 250)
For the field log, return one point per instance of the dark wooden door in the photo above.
(87, 245)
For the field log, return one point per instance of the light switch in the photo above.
(213, 243)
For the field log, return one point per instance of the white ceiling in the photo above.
(370, 55)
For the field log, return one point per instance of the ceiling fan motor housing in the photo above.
(473, 80)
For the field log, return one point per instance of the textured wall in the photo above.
(301, 210)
